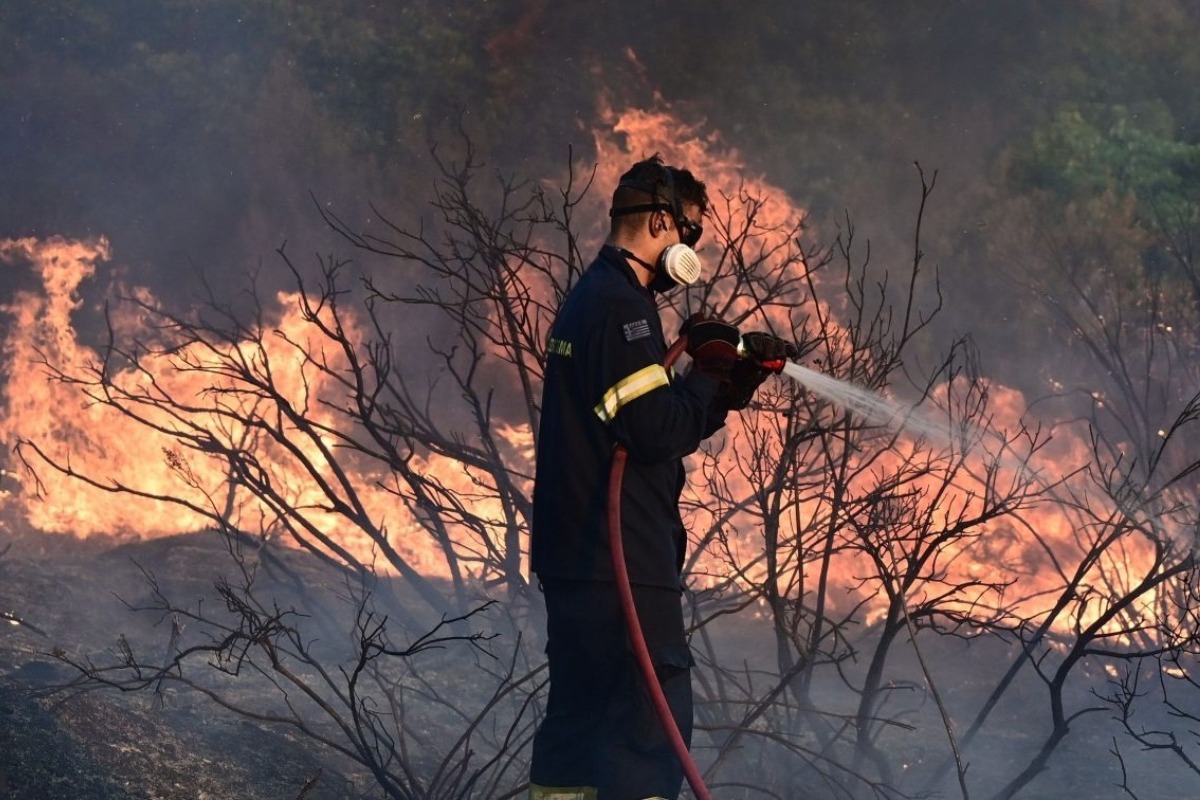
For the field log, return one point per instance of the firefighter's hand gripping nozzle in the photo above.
(760, 355)
(767, 350)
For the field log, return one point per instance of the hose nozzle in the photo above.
(767, 350)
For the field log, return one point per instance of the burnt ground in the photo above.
(108, 745)
(58, 742)
(95, 747)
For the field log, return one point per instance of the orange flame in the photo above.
(97, 440)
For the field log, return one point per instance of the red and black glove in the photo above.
(768, 350)
(713, 346)
(763, 355)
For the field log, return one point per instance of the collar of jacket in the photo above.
(614, 257)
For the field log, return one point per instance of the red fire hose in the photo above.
(640, 651)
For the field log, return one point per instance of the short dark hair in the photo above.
(652, 181)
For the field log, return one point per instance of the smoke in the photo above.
(189, 139)
(193, 137)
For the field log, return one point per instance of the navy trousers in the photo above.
(601, 729)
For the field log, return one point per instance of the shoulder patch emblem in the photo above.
(558, 347)
(636, 330)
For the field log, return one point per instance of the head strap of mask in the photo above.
(677, 264)
(673, 202)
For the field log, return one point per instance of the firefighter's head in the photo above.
(657, 213)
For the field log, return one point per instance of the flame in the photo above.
(95, 439)
(41, 331)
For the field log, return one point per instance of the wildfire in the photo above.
(95, 439)
(66, 421)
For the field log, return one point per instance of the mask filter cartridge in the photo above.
(681, 264)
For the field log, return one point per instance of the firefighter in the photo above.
(605, 384)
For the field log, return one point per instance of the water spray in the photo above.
(877, 409)
(871, 406)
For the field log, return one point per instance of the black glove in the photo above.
(713, 346)
(744, 379)
(768, 350)
(763, 355)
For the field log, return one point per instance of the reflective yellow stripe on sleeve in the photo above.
(629, 389)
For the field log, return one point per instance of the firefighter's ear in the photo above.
(658, 223)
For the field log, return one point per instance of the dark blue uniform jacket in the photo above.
(605, 383)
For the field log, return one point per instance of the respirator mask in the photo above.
(678, 264)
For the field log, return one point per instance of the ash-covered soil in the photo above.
(72, 599)
(59, 742)
(97, 746)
